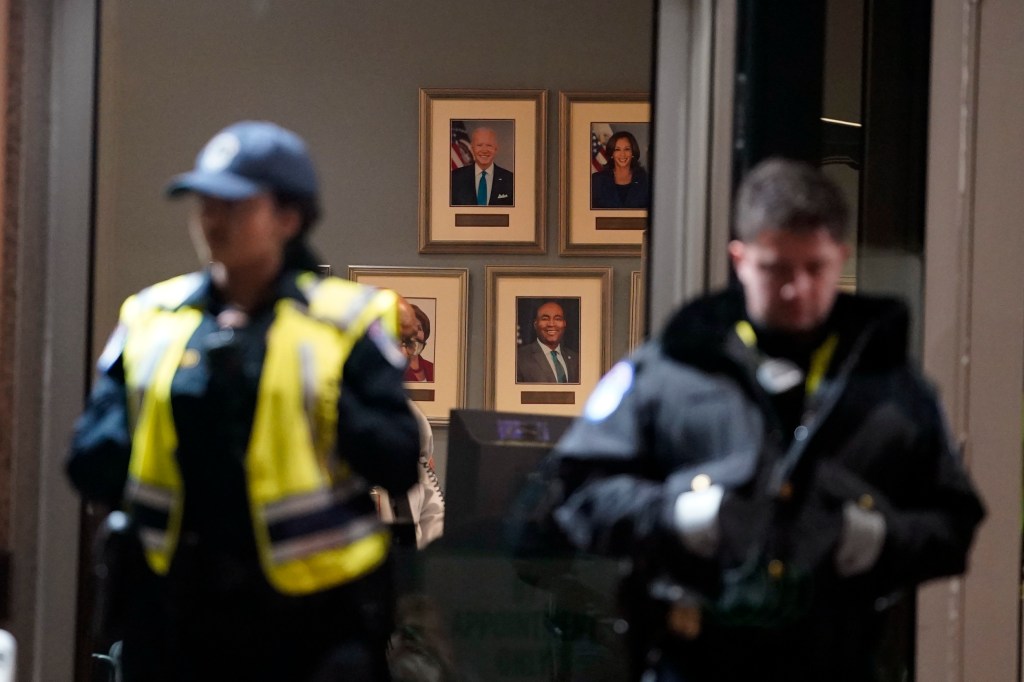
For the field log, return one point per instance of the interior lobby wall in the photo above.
(346, 77)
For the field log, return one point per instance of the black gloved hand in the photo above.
(744, 525)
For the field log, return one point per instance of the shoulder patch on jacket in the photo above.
(608, 393)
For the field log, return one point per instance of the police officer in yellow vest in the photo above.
(239, 416)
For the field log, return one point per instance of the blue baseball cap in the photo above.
(247, 158)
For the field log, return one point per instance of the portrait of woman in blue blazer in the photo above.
(623, 182)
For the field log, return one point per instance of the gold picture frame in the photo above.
(513, 221)
(595, 218)
(638, 297)
(441, 295)
(515, 378)
(637, 310)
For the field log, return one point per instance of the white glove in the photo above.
(696, 519)
(861, 541)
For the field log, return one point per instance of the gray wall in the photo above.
(346, 76)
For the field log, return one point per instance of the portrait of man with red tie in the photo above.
(544, 355)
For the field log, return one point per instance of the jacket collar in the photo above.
(871, 328)
(205, 295)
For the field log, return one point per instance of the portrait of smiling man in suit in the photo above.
(545, 356)
(483, 182)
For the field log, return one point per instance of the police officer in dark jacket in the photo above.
(772, 464)
(239, 415)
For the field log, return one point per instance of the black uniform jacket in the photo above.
(687, 408)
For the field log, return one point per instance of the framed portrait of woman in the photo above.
(435, 373)
(548, 337)
(604, 173)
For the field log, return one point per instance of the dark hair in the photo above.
(536, 311)
(790, 195)
(424, 321)
(297, 254)
(609, 147)
(307, 205)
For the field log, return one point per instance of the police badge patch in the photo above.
(609, 392)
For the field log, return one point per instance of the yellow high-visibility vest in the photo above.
(308, 534)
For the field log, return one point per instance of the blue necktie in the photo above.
(559, 372)
(481, 190)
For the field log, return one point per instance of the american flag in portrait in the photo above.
(461, 154)
(598, 160)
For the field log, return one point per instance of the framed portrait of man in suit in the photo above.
(483, 160)
(547, 340)
(548, 336)
(482, 172)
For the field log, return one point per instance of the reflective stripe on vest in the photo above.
(151, 511)
(309, 535)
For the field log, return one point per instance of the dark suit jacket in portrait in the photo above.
(464, 186)
(604, 193)
(532, 365)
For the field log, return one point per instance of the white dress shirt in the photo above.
(551, 362)
(489, 180)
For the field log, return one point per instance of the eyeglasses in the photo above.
(413, 345)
